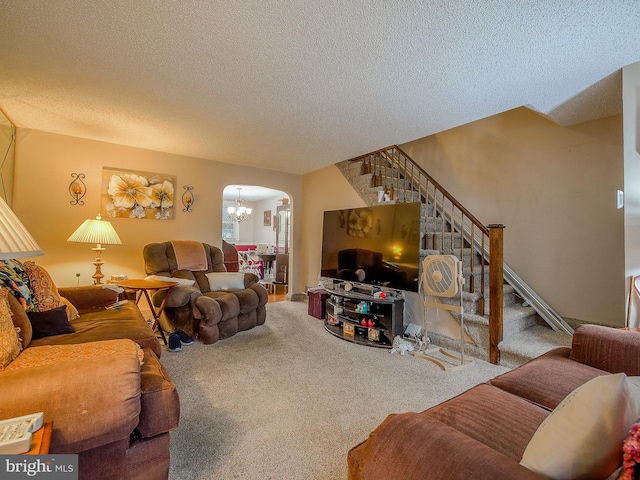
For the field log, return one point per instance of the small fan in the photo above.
(442, 277)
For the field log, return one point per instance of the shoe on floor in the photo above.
(175, 345)
(185, 338)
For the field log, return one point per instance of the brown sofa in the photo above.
(204, 314)
(111, 410)
(483, 433)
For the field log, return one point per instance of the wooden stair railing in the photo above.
(403, 180)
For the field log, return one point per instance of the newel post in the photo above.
(496, 294)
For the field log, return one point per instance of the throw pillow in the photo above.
(72, 311)
(43, 287)
(9, 342)
(49, 323)
(225, 281)
(14, 278)
(20, 320)
(582, 438)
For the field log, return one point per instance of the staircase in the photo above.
(507, 322)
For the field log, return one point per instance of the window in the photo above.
(230, 231)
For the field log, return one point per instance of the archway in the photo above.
(257, 222)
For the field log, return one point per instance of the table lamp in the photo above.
(15, 240)
(100, 232)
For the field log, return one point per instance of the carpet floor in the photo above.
(287, 400)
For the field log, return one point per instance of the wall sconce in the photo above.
(77, 189)
(187, 198)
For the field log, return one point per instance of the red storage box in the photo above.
(318, 303)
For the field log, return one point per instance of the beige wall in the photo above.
(631, 106)
(324, 189)
(553, 187)
(506, 169)
(555, 190)
(44, 163)
(7, 155)
(262, 233)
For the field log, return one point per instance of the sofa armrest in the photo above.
(91, 402)
(89, 297)
(250, 279)
(207, 310)
(179, 296)
(606, 348)
(412, 445)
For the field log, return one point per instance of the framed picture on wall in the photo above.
(267, 218)
(134, 194)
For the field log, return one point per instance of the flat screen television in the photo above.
(378, 245)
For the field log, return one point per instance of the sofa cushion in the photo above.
(50, 322)
(248, 300)
(158, 394)
(92, 402)
(416, 446)
(101, 324)
(56, 354)
(531, 380)
(583, 436)
(10, 344)
(492, 416)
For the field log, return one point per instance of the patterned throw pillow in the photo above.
(9, 342)
(45, 291)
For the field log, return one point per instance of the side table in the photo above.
(142, 287)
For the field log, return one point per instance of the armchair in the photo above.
(195, 307)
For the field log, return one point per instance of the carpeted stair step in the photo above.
(523, 346)
(516, 318)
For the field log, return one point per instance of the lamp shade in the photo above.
(96, 231)
(15, 240)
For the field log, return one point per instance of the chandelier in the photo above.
(239, 212)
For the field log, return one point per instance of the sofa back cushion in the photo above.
(606, 348)
(160, 259)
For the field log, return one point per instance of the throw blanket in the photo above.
(190, 255)
(15, 279)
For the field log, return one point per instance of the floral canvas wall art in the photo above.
(133, 194)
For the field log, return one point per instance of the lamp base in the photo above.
(98, 276)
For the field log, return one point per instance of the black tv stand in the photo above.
(381, 309)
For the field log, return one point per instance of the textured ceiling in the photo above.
(296, 85)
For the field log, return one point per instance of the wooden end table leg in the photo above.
(156, 315)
